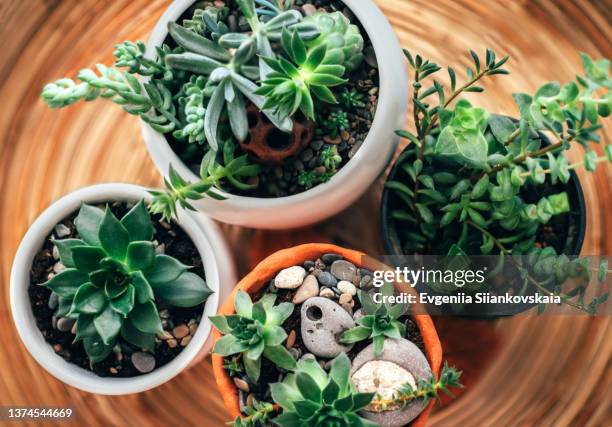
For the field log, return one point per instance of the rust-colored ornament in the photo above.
(270, 145)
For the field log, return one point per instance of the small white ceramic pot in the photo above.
(350, 182)
(218, 267)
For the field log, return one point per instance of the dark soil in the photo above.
(283, 180)
(270, 373)
(117, 364)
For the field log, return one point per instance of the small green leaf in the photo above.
(140, 255)
(64, 248)
(165, 270)
(89, 300)
(188, 290)
(85, 328)
(66, 283)
(96, 349)
(138, 223)
(308, 387)
(356, 334)
(280, 356)
(252, 368)
(144, 291)
(87, 258)
(146, 318)
(137, 338)
(243, 304)
(88, 222)
(125, 302)
(108, 324)
(113, 236)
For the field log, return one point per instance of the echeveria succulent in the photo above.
(342, 39)
(293, 82)
(312, 397)
(255, 331)
(380, 321)
(113, 277)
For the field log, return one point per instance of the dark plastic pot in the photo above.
(393, 244)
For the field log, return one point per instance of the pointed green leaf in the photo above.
(144, 291)
(308, 387)
(108, 324)
(63, 247)
(280, 356)
(146, 318)
(88, 222)
(137, 338)
(188, 290)
(66, 283)
(138, 223)
(165, 270)
(140, 255)
(87, 258)
(89, 299)
(125, 302)
(113, 236)
(96, 349)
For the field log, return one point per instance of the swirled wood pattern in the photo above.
(548, 371)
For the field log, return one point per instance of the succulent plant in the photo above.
(113, 277)
(208, 22)
(379, 322)
(351, 98)
(343, 40)
(330, 157)
(336, 122)
(229, 74)
(311, 396)
(255, 331)
(479, 183)
(273, 7)
(292, 84)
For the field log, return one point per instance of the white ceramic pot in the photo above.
(218, 267)
(350, 182)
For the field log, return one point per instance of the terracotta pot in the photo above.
(260, 276)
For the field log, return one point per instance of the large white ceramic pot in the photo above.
(351, 181)
(220, 278)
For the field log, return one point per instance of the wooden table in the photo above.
(521, 371)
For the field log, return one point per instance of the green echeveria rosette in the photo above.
(113, 278)
(338, 34)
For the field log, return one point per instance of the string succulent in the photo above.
(293, 82)
(255, 331)
(379, 321)
(426, 390)
(113, 279)
(208, 22)
(470, 177)
(311, 396)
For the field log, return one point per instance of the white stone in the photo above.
(309, 288)
(347, 287)
(290, 278)
(382, 377)
(61, 230)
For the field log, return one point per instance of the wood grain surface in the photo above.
(524, 371)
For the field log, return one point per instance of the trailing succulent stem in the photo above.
(113, 278)
(469, 170)
(426, 390)
(255, 331)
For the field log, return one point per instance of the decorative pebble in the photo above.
(290, 278)
(309, 9)
(58, 267)
(366, 282)
(143, 362)
(160, 249)
(343, 270)
(55, 252)
(322, 323)
(180, 331)
(347, 287)
(193, 328)
(241, 384)
(345, 299)
(185, 341)
(348, 308)
(64, 324)
(308, 265)
(61, 230)
(295, 352)
(309, 288)
(327, 293)
(53, 301)
(113, 371)
(172, 343)
(309, 356)
(330, 258)
(358, 315)
(326, 279)
(291, 339)
(407, 356)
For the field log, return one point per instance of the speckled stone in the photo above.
(407, 355)
(343, 270)
(326, 279)
(322, 322)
